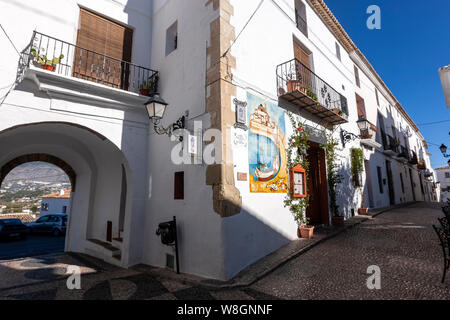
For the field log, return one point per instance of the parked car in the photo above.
(11, 228)
(55, 224)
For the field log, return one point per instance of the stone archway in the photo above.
(96, 167)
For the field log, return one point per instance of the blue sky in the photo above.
(413, 43)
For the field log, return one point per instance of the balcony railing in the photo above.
(390, 144)
(301, 23)
(64, 58)
(299, 85)
(413, 159)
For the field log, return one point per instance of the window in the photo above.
(44, 207)
(179, 186)
(380, 179)
(172, 38)
(361, 107)
(378, 98)
(300, 17)
(97, 37)
(358, 82)
(447, 175)
(338, 51)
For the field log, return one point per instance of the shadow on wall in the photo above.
(249, 240)
(346, 192)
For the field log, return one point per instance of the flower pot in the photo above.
(306, 232)
(336, 111)
(338, 221)
(144, 92)
(293, 85)
(363, 211)
(49, 67)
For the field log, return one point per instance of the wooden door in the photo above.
(102, 46)
(303, 69)
(390, 182)
(318, 211)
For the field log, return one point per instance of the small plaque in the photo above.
(192, 144)
(241, 176)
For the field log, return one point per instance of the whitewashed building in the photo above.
(230, 71)
(55, 203)
(443, 176)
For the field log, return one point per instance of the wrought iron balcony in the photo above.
(70, 60)
(390, 146)
(299, 85)
(413, 159)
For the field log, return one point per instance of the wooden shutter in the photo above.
(303, 74)
(361, 107)
(102, 45)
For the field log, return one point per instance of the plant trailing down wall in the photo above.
(357, 157)
(334, 178)
(297, 153)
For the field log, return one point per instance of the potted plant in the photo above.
(364, 211)
(150, 86)
(334, 179)
(297, 151)
(43, 62)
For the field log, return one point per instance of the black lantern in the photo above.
(363, 124)
(448, 163)
(443, 148)
(156, 107)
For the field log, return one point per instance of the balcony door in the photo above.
(303, 74)
(103, 50)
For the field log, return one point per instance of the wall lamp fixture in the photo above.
(156, 108)
(364, 127)
(443, 149)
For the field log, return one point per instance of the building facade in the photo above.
(237, 72)
(443, 176)
(56, 203)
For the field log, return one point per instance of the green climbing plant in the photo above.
(334, 178)
(297, 153)
(357, 157)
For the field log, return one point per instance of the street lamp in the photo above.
(156, 108)
(443, 149)
(363, 124)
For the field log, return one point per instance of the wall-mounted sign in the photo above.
(241, 114)
(298, 182)
(241, 176)
(192, 144)
(240, 139)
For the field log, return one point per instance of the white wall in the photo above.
(55, 206)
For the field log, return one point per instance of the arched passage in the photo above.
(100, 175)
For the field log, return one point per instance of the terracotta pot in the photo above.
(306, 232)
(338, 221)
(336, 111)
(363, 211)
(49, 67)
(293, 85)
(144, 92)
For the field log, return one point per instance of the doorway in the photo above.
(317, 211)
(369, 183)
(390, 182)
(412, 185)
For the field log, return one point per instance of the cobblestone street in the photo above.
(401, 242)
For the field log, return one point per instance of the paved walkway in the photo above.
(35, 244)
(401, 242)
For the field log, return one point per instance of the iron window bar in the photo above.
(68, 59)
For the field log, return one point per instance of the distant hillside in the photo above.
(37, 171)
